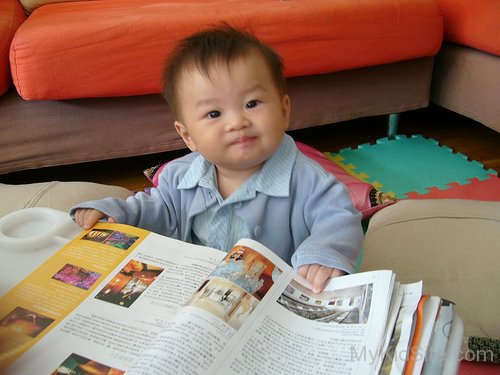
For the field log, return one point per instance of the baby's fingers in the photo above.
(303, 271)
(319, 279)
(91, 217)
(80, 217)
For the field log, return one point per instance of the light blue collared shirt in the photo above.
(292, 206)
(219, 225)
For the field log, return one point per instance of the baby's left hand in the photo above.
(318, 275)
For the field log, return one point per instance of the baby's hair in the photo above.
(221, 44)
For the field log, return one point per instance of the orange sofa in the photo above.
(86, 74)
(466, 75)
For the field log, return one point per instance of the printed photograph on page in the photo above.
(342, 306)
(236, 286)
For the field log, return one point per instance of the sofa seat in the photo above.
(103, 49)
(55, 194)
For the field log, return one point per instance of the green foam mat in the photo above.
(409, 164)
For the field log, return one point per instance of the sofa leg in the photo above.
(392, 125)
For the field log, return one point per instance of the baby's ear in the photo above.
(184, 133)
(286, 108)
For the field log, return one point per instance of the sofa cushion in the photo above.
(452, 245)
(11, 17)
(58, 195)
(472, 23)
(118, 48)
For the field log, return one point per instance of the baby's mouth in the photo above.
(243, 140)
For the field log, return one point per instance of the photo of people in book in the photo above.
(128, 285)
(236, 286)
(20, 326)
(342, 306)
(113, 238)
(248, 269)
(77, 276)
(78, 365)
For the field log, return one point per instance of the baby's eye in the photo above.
(252, 103)
(213, 114)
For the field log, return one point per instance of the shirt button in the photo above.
(257, 231)
(238, 205)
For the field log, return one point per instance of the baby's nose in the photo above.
(237, 121)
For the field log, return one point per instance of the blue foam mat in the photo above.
(410, 164)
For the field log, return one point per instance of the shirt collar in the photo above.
(199, 168)
(273, 179)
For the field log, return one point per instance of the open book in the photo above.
(118, 299)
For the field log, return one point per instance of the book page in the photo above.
(220, 309)
(397, 298)
(435, 359)
(337, 331)
(252, 316)
(397, 353)
(420, 343)
(99, 301)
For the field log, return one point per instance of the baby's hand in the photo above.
(318, 275)
(87, 217)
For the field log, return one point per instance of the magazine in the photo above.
(118, 299)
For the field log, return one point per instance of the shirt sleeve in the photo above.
(334, 225)
(156, 211)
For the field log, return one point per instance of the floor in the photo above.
(457, 132)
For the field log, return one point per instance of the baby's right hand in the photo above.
(87, 217)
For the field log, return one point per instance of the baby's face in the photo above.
(235, 117)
